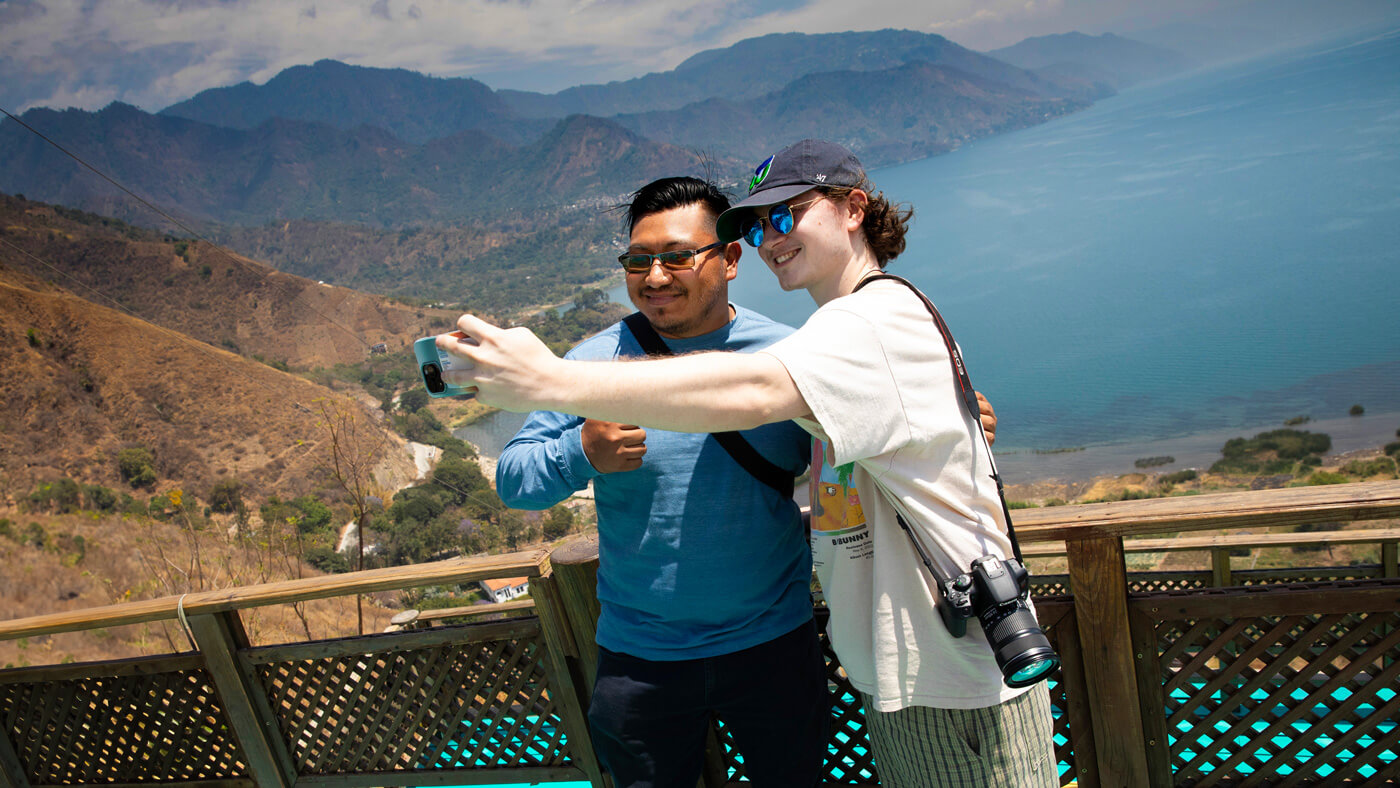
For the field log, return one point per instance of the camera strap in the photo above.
(969, 400)
(732, 442)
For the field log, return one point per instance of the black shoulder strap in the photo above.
(651, 342)
(732, 442)
(969, 398)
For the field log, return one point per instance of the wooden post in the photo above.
(1081, 720)
(575, 569)
(1220, 566)
(565, 675)
(245, 703)
(1154, 702)
(1390, 566)
(11, 770)
(1100, 583)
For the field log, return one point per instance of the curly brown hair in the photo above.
(885, 223)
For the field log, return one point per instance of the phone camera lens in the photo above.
(432, 378)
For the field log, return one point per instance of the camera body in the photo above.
(432, 362)
(995, 590)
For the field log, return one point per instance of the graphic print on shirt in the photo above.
(838, 523)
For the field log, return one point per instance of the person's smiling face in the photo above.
(816, 243)
(688, 302)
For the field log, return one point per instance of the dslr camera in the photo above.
(995, 590)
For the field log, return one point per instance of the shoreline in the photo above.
(1196, 450)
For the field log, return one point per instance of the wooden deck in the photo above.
(1205, 682)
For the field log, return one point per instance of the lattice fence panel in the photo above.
(455, 706)
(848, 757)
(1049, 585)
(1153, 582)
(1059, 705)
(155, 727)
(1138, 583)
(1252, 577)
(734, 766)
(1302, 699)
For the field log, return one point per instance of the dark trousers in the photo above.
(649, 719)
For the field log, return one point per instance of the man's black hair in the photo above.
(664, 194)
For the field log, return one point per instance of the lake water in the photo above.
(1217, 253)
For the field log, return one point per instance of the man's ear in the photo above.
(732, 252)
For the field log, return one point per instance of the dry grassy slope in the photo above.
(208, 293)
(90, 380)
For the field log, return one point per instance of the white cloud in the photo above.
(155, 52)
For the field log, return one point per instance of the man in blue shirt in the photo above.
(704, 570)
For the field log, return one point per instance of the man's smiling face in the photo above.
(688, 302)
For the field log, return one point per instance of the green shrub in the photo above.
(159, 507)
(1244, 455)
(1325, 477)
(137, 466)
(326, 559)
(1021, 505)
(131, 506)
(413, 400)
(1393, 449)
(1153, 462)
(98, 498)
(315, 515)
(226, 496)
(558, 523)
(1179, 476)
(1356, 410)
(33, 337)
(1369, 468)
(62, 496)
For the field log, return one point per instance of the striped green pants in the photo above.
(1007, 746)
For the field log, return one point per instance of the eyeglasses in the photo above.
(679, 260)
(780, 218)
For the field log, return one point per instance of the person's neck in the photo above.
(706, 327)
(844, 280)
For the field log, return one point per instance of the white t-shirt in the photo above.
(875, 371)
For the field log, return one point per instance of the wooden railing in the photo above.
(1219, 685)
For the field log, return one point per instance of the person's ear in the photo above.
(856, 203)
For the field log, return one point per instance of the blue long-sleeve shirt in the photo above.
(696, 556)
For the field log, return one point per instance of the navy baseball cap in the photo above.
(788, 173)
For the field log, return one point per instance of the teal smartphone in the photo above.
(432, 362)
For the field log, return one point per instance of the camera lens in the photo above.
(432, 378)
(1019, 644)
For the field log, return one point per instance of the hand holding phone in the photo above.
(432, 362)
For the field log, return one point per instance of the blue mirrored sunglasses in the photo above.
(780, 218)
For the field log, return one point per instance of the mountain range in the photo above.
(524, 179)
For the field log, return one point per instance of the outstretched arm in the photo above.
(704, 392)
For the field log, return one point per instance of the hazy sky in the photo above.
(152, 53)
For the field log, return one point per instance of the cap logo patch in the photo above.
(819, 178)
(760, 174)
